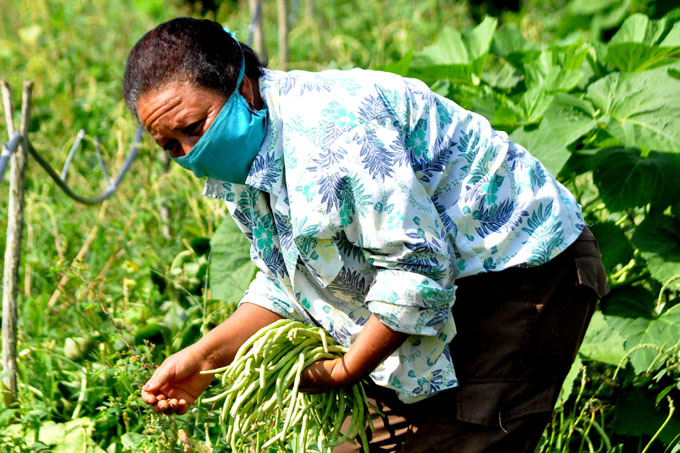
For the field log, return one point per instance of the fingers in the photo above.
(182, 407)
(148, 397)
(162, 375)
(168, 401)
(169, 406)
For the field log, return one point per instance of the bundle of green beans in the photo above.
(263, 406)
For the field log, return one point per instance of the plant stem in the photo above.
(81, 396)
(671, 410)
(630, 280)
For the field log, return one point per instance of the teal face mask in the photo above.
(227, 149)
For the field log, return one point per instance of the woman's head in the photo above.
(180, 74)
(195, 51)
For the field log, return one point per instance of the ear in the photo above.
(247, 90)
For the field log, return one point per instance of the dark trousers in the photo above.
(518, 331)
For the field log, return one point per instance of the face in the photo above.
(178, 114)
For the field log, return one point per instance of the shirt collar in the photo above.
(266, 172)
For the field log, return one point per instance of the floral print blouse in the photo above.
(370, 195)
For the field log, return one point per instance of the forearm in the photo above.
(219, 346)
(374, 344)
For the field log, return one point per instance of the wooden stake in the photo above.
(9, 108)
(258, 33)
(15, 224)
(283, 34)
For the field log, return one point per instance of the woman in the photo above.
(372, 205)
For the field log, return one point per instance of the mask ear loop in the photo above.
(243, 59)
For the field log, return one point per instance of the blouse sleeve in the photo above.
(401, 234)
(267, 293)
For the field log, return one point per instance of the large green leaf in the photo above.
(568, 384)
(658, 239)
(399, 67)
(564, 121)
(602, 342)
(231, 270)
(533, 104)
(626, 179)
(456, 73)
(569, 118)
(132, 441)
(637, 415)
(505, 78)
(614, 244)
(593, 16)
(661, 331)
(629, 302)
(69, 437)
(556, 68)
(642, 43)
(641, 109)
(456, 56)
(544, 145)
(501, 112)
(509, 43)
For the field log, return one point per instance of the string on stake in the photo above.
(13, 144)
(7, 151)
(106, 193)
(69, 158)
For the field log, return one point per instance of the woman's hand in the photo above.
(324, 375)
(374, 343)
(177, 383)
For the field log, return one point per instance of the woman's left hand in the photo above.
(373, 344)
(324, 375)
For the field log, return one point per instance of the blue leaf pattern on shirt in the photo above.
(348, 249)
(537, 176)
(496, 217)
(351, 280)
(372, 108)
(287, 84)
(266, 168)
(378, 160)
(545, 233)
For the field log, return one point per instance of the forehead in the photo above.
(167, 104)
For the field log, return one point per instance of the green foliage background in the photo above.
(591, 88)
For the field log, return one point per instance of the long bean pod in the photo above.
(263, 408)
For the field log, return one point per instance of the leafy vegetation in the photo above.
(591, 88)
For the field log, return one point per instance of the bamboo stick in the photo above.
(258, 32)
(15, 224)
(9, 109)
(283, 34)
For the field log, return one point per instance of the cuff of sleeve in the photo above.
(266, 294)
(411, 303)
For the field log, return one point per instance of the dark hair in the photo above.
(198, 51)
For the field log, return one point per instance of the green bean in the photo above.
(262, 402)
(303, 434)
(296, 401)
